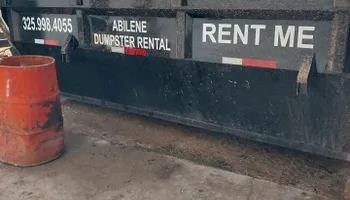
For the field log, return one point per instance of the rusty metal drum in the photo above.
(31, 122)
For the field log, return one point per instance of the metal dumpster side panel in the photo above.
(256, 103)
(186, 4)
(324, 37)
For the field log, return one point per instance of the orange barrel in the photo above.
(31, 123)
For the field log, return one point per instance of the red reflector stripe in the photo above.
(52, 42)
(139, 52)
(259, 63)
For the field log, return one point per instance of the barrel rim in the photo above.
(53, 60)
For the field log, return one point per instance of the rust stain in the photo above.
(8, 124)
(46, 104)
(37, 123)
(332, 42)
(59, 127)
(304, 70)
(54, 116)
(5, 130)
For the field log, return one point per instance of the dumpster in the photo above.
(270, 71)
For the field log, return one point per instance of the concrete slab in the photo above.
(94, 169)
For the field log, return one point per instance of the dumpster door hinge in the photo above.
(70, 44)
(8, 2)
(303, 75)
(80, 2)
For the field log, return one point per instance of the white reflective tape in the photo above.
(118, 49)
(232, 61)
(39, 41)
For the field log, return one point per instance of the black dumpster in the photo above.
(270, 71)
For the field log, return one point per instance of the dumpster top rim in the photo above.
(49, 61)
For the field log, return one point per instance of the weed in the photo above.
(197, 158)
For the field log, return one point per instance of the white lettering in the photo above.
(238, 32)
(126, 27)
(96, 38)
(302, 36)
(157, 42)
(115, 25)
(114, 40)
(117, 41)
(127, 42)
(290, 34)
(46, 24)
(144, 27)
(130, 26)
(145, 42)
(160, 44)
(209, 33)
(167, 45)
(151, 44)
(257, 28)
(132, 42)
(120, 25)
(139, 43)
(139, 28)
(221, 33)
(111, 40)
(122, 39)
(284, 36)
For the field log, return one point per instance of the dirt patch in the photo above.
(313, 173)
(166, 171)
(197, 158)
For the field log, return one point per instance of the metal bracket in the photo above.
(79, 2)
(179, 3)
(341, 4)
(303, 75)
(70, 44)
(8, 2)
